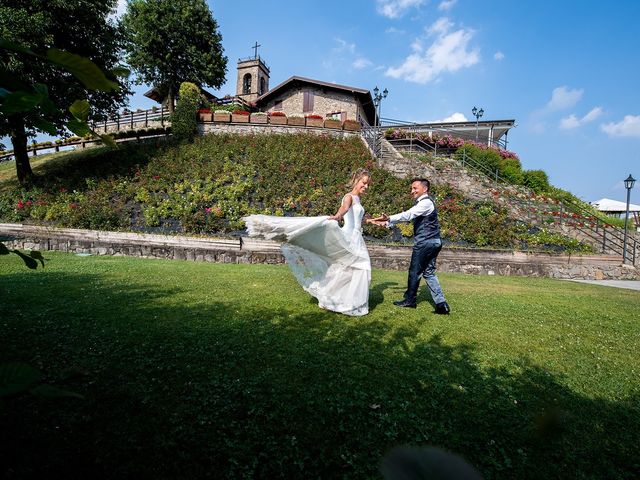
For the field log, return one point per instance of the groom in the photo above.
(426, 246)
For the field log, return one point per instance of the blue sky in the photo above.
(568, 72)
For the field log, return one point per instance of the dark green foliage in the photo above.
(174, 41)
(536, 180)
(183, 121)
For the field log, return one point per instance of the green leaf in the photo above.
(121, 72)
(78, 127)
(80, 110)
(7, 45)
(20, 101)
(45, 126)
(83, 69)
(17, 377)
(108, 140)
(49, 391)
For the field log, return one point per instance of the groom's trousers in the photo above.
(423, 264)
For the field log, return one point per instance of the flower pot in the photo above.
(278, 120)
(331, 123)
(351, 125)
(221, 116)
(296, 121)
(238, 118)
(258, 118)
(205, 117)
(315, 122)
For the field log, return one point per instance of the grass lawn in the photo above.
(192, 370)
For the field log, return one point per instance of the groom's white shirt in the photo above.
(424, 206)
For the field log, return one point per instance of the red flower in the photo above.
(20, 205)
(73, 205)
(156, 177)
(278, 114)
(63, 190)
(240, 112)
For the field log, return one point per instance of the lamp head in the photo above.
(385, 92)
(375, 91)
(480, 113)
(629, 181)
(474, 110)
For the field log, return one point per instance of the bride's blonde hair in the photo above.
(357, 175)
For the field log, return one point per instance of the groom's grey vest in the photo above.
(426, 227)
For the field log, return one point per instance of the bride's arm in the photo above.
(344, 208)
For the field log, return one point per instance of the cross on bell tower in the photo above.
(255, 50)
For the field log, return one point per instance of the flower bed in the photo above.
(240, 116)
(205, 115)
(221, 116)
(314, 120)
(352, 125)
(259, 117)
(277, 118)
(296, 120)
(332, 123)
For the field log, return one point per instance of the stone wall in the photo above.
(252, 129)
(324, 102)
(247, 250)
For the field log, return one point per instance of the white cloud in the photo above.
(344, 46)
(448, 53)
(361, 63)
(592, 115)
(394, 30)
(447, 4)
(498, 56)
(563, 98)
(569, 122)
(629, 126)
(396, 8)
(121, 7)
(455, 117)
(572, 121)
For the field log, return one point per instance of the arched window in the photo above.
(246, 84)
(263, 85)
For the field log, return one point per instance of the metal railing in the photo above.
(608, 237)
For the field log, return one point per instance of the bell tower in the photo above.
(253, 77)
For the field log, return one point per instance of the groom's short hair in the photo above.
(423, 181)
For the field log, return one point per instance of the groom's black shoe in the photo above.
(442, 308)
(405, 303)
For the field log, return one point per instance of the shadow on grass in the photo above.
(226, 389)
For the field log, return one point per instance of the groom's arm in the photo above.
(423, 207)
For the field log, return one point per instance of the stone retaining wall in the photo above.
(251, 128)
(247, 250)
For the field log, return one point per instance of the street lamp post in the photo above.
(477, 113)
(377, 99)
(628, 184)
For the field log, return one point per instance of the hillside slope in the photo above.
(207, 187)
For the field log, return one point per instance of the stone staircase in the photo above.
(535, 210)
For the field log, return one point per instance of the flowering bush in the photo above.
(278, 114)
(314, 116)
(204, 110)
(240, 112)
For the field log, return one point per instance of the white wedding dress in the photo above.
(330, 262)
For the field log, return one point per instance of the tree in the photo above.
(183, 121)
(80, 26)
(174, 41)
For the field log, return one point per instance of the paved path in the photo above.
(631, 284)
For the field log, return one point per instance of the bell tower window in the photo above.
(246, 84)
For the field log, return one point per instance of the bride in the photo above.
(330, 262)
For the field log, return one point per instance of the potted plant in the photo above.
(352, 125)
(240, 116)
(204, 115)
(258, 117)
(332, 123)
(221, 116)
(277, 118)
(314, 120)
(295, 120)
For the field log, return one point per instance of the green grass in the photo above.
(193, 370)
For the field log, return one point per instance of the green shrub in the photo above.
(536, 180)
(183, 120)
